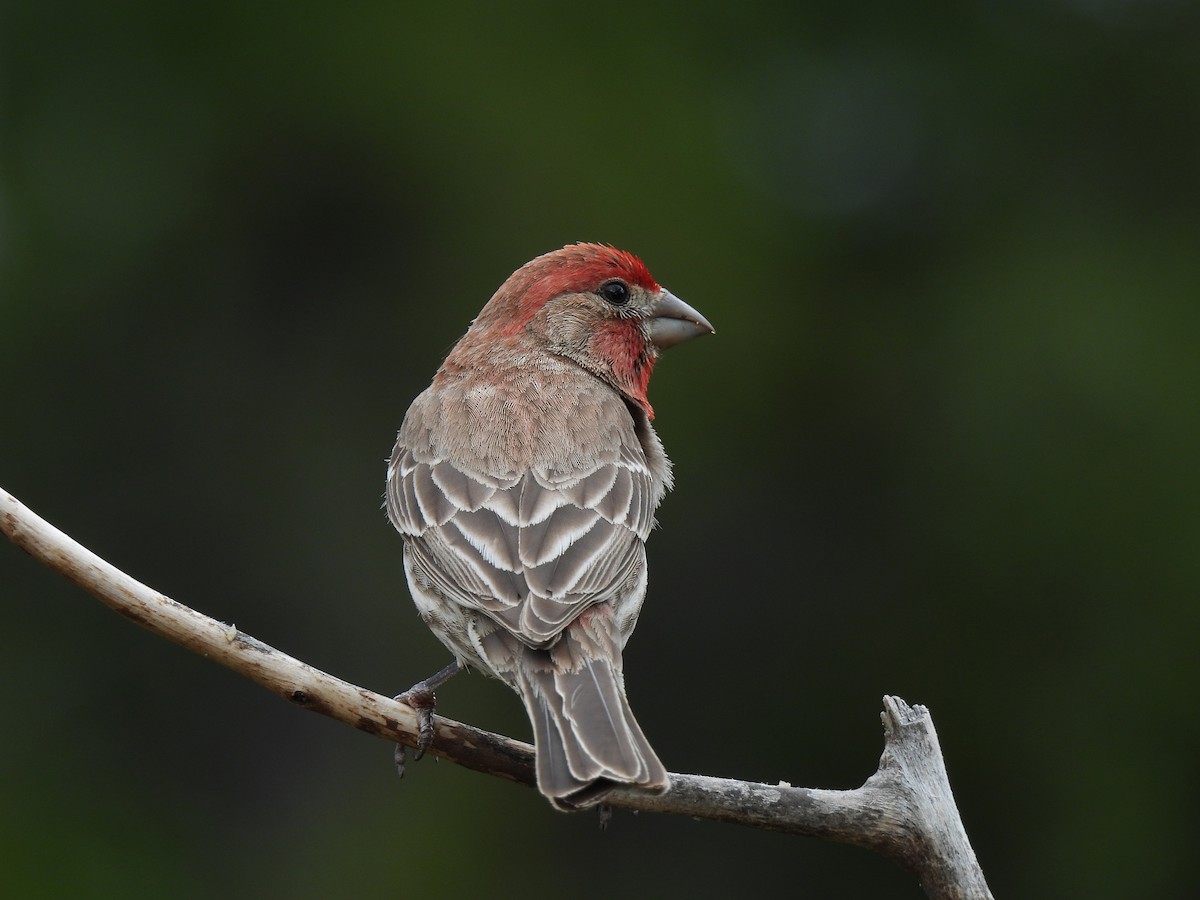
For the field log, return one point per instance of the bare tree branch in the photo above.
(905, 811)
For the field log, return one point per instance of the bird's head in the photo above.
(598, 306)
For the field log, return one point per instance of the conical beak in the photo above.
(671, 321)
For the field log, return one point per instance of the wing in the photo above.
(531, 551)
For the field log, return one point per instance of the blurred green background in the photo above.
(945, 443)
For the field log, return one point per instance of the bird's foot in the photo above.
(423, 701)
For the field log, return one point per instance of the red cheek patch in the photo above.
(621, 345)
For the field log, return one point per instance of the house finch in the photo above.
(524, 482)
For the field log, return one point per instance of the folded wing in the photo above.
(531, 551)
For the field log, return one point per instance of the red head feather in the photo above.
(576, 268)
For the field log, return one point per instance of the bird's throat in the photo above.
(621, 347)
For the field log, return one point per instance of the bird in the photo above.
(524, 482)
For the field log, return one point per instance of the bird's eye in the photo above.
(615, 292)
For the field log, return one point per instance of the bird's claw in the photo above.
(423, 702)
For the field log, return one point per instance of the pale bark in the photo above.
(905, 811)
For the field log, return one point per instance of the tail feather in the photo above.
(586, 737)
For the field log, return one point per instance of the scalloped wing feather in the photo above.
(502, 553)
